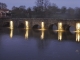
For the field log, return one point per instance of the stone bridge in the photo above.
(48, 22)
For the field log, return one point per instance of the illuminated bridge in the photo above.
(46, 23)
(42, 24)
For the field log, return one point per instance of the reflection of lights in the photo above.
(11, 33)
(60, 26)
(26, 23)
(26, 34)
(60, 35)
(42, 34)
(11, 24)
(78, 36)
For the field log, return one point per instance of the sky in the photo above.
(30, 3)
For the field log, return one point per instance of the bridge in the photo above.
(36, 22)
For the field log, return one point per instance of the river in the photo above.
(21, 44)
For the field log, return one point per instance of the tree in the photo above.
(52, 10)
(77, 12)
(70, 12)
(63, 10)
(19, 12)
(3, 6)
(42, 6)
(29, 15)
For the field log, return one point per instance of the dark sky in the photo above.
(30, 3)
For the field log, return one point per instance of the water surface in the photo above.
(21, 44)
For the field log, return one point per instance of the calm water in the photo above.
(19, 44)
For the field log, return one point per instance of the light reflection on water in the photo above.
(42, 34)
(59, 34)
(11, 33)
(78, 36)
(26, 33)
(38, 46)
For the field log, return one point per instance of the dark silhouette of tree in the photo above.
(77, 12)
(71, 12)
(63, 10)
(3, 6)
(41, 7)
(29, 13)
(19, 12)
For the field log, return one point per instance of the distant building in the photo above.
(5, 13)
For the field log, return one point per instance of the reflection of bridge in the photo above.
(48, 23)
(47, 34)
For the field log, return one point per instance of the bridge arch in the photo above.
(68, 27)
(21, 25)
(36, 26)
(6, 24)
(53, 26)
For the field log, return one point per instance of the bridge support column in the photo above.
(60, 26)
(26, 24)
(78, 27)
(42, 25)
(11, 24)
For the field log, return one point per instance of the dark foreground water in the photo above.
(38, 45)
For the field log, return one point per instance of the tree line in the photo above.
(43, 9)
